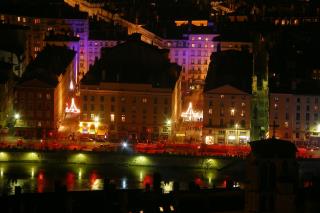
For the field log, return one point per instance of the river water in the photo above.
(37, 177)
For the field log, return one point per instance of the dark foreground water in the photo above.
(36, 177)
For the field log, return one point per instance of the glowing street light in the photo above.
(168, 122)
(17, 116)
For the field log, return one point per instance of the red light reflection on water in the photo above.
(147, 180)
(70, 180)
(198, 181)
(93, 177)
(40, 181)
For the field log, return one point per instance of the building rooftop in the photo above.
(272, 147)
(230, 67)
(51, 62)
(134, 62)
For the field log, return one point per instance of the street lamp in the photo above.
(17, 116)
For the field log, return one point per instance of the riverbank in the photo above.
(117, 159)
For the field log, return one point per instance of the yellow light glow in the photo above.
(96, 119)
(318, 128)
(80, 124)
(32, 173)
(32, 156)
(168, 122)
(80, 174)
(141, 176)
(160, 208)
(167, 187)
(17, 116)
(237, 125)
(1, 172)
(4, 156)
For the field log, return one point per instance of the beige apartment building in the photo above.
(294, 117)
(226, 116)
(128, 111)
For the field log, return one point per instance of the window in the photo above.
(113, 99)
(232, 111)
(308, 108)
(101, 107)
(48, 96)
(298, 107)
(101, 98)
(112, 117)
(144, 100)
(210, 111)
(298, 100)
(92, 116)
(287, 116)
(112, 108)
(84, 107)
(92, 98)
(155, 100)
(298, 116)
(307, 116)
(210, 103)
(92, 107)
(123, 99)
(123, 118)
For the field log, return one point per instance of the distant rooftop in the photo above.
(230, 67)
(42, 10)
(51, 62)
(134, 62)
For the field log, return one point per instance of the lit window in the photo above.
(169, 44)
(243, 113)
(232, 111)
(212, 46)
(243, 104)
(199, 38)
(24, 19)
(275, 106)
(144, 100)
(18, 18)
(37, 21)
(112, 117)
(92, 116)
(48, 96)
(221, 96)
(123, 118)
(193, 45)
(192, 38)
(210, 112)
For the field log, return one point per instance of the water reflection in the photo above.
(33, 177)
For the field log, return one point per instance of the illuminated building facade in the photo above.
(296, 117)
(192, 50)
(226, 115)
(132, 89)
(43, 91)
(130, 111)
(54, 18)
